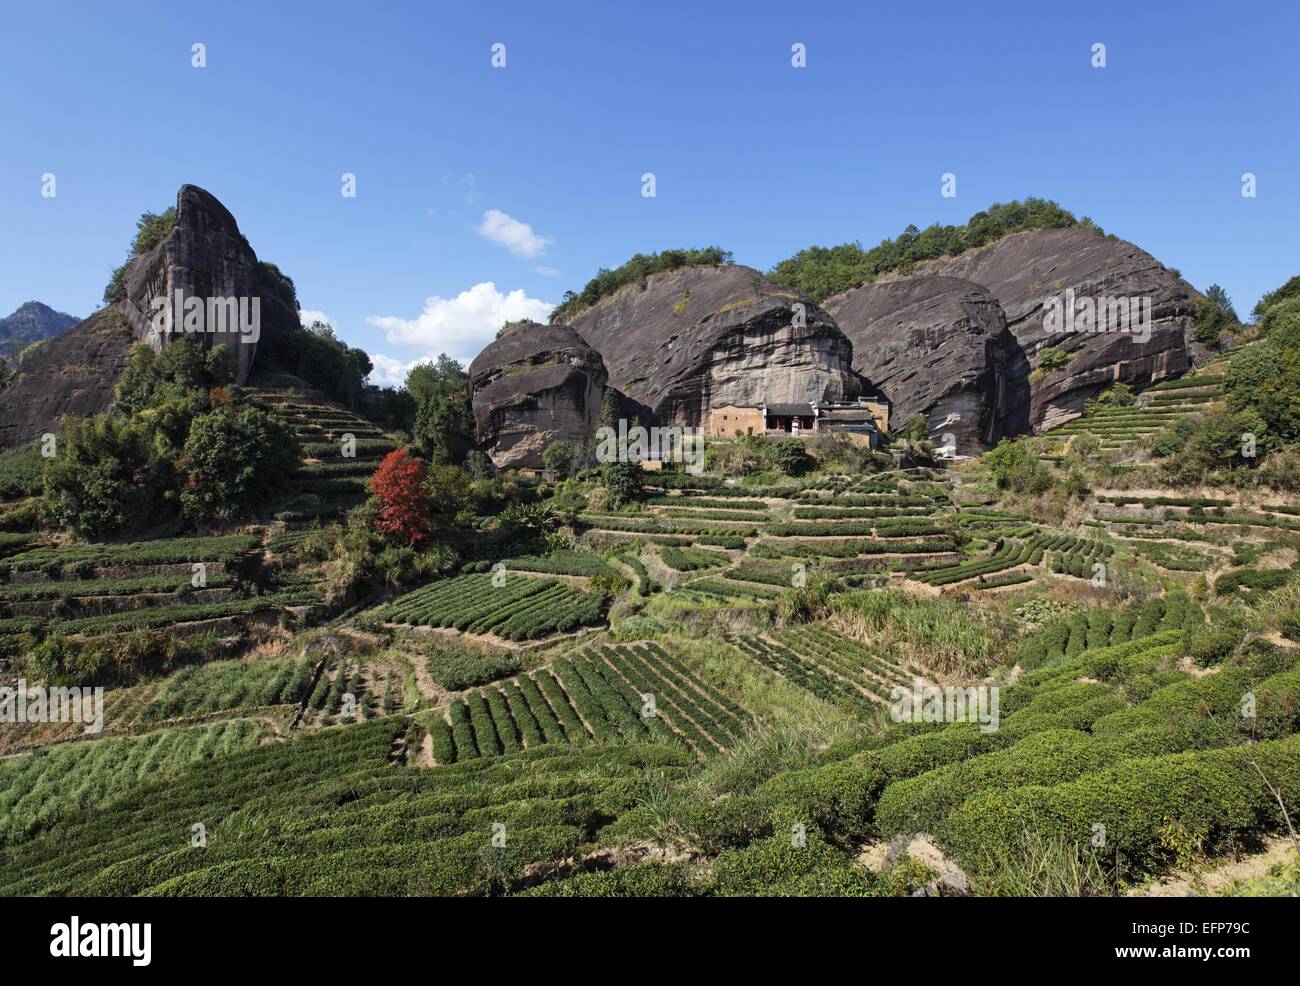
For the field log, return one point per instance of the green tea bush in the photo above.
(456, 669)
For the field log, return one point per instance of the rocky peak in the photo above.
(1025, 270)
(32, 322)
(937, 346)
(691, 339)
(205, 257)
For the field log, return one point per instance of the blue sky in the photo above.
(749, 153)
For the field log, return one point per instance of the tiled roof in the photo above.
(790, 410)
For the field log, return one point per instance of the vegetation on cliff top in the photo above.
(150, 230)
(640, 267)
(820, 272)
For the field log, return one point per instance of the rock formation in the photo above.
(1024, 270)
(74, 373)
(205, 257)
(701, 337)
(936, 346)
(531, 386)
(32, 322)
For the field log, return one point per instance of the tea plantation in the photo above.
(1075, 678)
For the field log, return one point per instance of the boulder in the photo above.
(532, 385)
(937, 346)
(692, 339)
(1024, 270)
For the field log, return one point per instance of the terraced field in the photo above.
(828, 664)
(633, 692)
(336, 472)
(110, 588)
(379, 755)
(1120, 429)
(522, 607)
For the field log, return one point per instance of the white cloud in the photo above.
(390, 372)
(515, 236)
(547, 271)
(307, 318)
(463, 325)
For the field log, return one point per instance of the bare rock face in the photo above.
(937, 346)
(74, 373)
(702, 337)
(533, 385)
(205, 257)
(1025, 270)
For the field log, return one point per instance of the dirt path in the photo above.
(1277, 849)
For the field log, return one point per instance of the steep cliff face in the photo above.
(535, 384)
(704, 337)
(74, 373)
(937, 346)
(205, 257)
(1026, 270)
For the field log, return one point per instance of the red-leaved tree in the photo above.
(403, 506)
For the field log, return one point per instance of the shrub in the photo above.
(236, 458)
(624, 482)
(22, 471)
(922, 803)
(100, 484)
(1290, 625)
(456, 669)
(1213, 645)
(1208, 796)
(791, 456)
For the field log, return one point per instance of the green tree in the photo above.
(1289, 290)
(624, 481)
(608, 409)
(917, 429)
(444, 415)
(1210, 323)
(640, 267)
(150, 230)
(790, 455)
(453, 499)
(236, 458)
(822, 271)
(561, 457)
(182, 367)
(99, 484)
(1219, 296)
(1265, 379)
(1014, 466)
